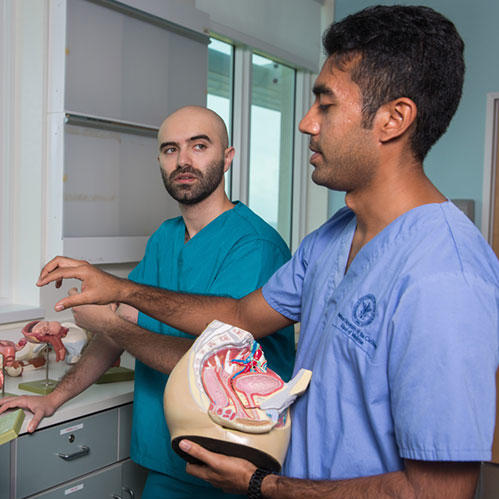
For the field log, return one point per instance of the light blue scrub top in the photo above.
(403, 347)
(232, 256)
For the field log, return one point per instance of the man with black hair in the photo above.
(397, 293)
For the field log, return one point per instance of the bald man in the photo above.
(215, 247)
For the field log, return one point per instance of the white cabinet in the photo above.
(115, 72)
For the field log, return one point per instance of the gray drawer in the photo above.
(99, 485)
(39, 464)
(5, 471)
(125, 418)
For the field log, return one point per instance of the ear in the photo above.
(228, 157)
(395, 118)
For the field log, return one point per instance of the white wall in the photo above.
(288, 29)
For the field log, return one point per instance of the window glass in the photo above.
(220, 81)
(271, 142)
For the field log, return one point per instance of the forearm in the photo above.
(389, 485)
(97, 357)
(187, 312)
(192, 313)
(159, 351)
(419, 480)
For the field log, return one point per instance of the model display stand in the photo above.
(115, 374)
(223, 396)
(10, 425)
(41, 386)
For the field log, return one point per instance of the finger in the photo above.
(35, 421)
(10, 403)
(61, 273)
(58, 261)
(48, 267)
(56, 275)
(4, 403)
(199, 471)
(74, 301)
(198, 452)
(73, 291)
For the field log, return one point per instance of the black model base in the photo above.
(258, 458)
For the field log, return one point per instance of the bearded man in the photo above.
(215, 247)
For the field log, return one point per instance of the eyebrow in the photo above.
(197, 137)
(191, 139)
(322, 90)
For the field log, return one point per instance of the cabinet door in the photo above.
(133, 479)
(102, 484)
(125, 419)
(54, 455)
(5, 471)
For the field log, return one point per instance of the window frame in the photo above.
(241, 127)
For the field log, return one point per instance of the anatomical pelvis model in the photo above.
(224, 396)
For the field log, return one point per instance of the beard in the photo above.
(190, 194)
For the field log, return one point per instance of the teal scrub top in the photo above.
(232, 256)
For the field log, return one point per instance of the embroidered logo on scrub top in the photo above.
(364, 310)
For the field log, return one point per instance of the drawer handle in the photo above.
(130, 492)
(84, 450)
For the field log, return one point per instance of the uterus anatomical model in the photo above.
(50, 332)
(67, 339)
(223, 395)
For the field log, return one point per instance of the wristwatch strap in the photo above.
(255, 483)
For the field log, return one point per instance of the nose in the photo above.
(309, 124)
(183, 157)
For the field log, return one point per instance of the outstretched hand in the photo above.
(231, 474)
(97, 287)
(38, 405)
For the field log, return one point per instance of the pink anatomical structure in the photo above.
(223, 395)
(47, 332)
(8, 351)
(237, 381)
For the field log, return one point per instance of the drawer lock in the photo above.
(84, 450)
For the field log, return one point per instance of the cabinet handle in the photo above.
(130, 492)
(84, 450)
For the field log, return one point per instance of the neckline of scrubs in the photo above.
(206, 230)
(372, 248)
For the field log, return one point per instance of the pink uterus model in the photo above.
(223, 395)
(47, 332)
(8, 351)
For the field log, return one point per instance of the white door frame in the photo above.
(489, 165)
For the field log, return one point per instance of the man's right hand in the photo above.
(97, 287)
(40, 406)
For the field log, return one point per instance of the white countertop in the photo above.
(94, 399)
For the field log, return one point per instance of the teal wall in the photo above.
(455, 163)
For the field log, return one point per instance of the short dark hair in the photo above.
(405, 51)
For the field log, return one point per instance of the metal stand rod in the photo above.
(3, 375)
(47, 351)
